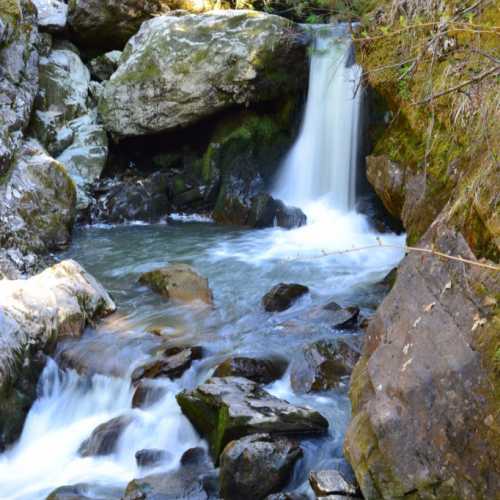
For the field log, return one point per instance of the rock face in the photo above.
(282, 296)
(262, 371)
(31, 322)
(425, 392)
(322, 365)
(178, 282)
(265, 211)
(64, 120)
(37, 202)
(18, 75)
(52, 15)
(181, 68)
(255, 466)
(103, 439)
(331, 482)
(103, 66)
(224, 409)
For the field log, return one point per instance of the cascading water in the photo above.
(241, 266)
(323, 161)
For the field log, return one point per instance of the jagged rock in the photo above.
(104, 437)
(37, 203)
(146, 394)
(422, 393)
(322, 365)
(15, 264)
(52, 15)
(31, 322)
(282, 296)
(262, 371)
(191, 480)
(331, 482)
(103, 66)
(342, 318)
(175, 71)
(266, 211)
(224, 409)
(131, 199)
(178, 282)
(172, 364)
(64, 122)
(150, 457)
(18, 75)
(86, 491)
(256, 465)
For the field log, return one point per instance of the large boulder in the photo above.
(103, 439)
(255, 466)
(181, 68)
(224, 409)
(37, 202)
(64, 120)
(52, 15)
(266, 211)
(18, 75)
(425, 393)
(322, 365)
(178, 282)
(282, 296)
(31, 322)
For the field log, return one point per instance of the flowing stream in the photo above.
(241, 265)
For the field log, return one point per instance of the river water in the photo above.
(241, 266)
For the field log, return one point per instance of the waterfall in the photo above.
(322, 162)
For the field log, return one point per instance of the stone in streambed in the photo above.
(262, 371)
(282, 296)
(265, 211)
(322, 365)
(151, 457)
(104, 437)
(256, 465)
(172, 364)
(146, 394)
(224, 409)
(178, 282)
(342, 318)
(331, 482)
(86, 491)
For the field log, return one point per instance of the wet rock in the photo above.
(282, 296)
(191, 480)
(342, 318)
(131, 199)
(256, 465)
(86, 491)
(31, 322)
(224, 409)
(37, 203)
(266, 211)
(178, 282)
(174, 71)
(322, 365)
(52, 15)
(422, 393)
(18, 75)
(262, 371)
(331, 482)
(172, 364)
(146, 394)
(103, 66)
(291, 495)
(150, 457)
(104, 437)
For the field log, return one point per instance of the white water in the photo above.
(323, 161)
(318, 176)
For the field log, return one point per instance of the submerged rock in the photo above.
(103, 66)
(146, 394)
(172, 364)
(282, 296)
(37, 312)
(331, 482)
(178, 282)
(224, 409)
(255, 466)
(262, 371)
(104, 437)
(181, 68)
(268, 212)
(322, 365)
(342, 318)
(86, 491)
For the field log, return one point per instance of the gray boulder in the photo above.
(224, 409)
(257, 465)
(52, 15)
(331, 482)
(181, 68)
